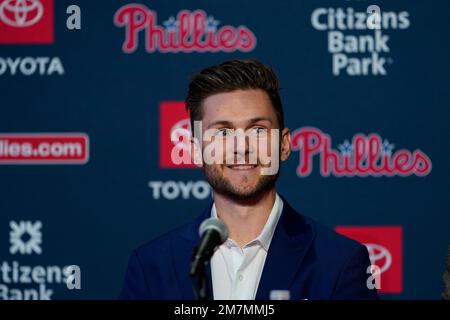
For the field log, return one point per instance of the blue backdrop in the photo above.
(337, 76)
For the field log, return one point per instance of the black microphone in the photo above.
(213, 232)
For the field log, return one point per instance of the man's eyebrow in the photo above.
(254, 120)
(230, 124)
(220, 122)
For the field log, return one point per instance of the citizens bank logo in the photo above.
(361, 156)
(25, 237)
(26, 22)
(385, 247)
(359, 41)
(175, 132)
(22, 281)
(194, 31)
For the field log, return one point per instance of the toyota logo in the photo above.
(377, 253)
(180, 134)
(21, 13)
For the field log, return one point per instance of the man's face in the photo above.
(238, 174)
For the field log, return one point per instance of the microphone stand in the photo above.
(213, 232)
(200, 281)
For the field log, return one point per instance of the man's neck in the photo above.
(245, 221)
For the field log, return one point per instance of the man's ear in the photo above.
(285, 149)
(196, 152)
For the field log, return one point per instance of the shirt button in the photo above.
(241, 277)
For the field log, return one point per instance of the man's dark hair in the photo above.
(229, 76)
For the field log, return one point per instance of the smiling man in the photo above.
(237, 108)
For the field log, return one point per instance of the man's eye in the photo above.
(259, 131)
(224, 132)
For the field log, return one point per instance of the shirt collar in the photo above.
(266, 235)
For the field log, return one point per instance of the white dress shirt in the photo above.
(236, 272)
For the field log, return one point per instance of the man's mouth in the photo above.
(242, 166)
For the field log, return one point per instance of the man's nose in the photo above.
(240, 144)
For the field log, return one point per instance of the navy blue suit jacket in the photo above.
(304, 257)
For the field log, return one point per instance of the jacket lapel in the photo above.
(290, 243)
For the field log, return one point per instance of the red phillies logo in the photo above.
(175, 133)
(364, 156)
(188, 32)
(385, 246)
(26, 21)
(53, 148)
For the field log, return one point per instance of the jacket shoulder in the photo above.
(332, 245)
(161, 245)
(344, 262)
(328, 238)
